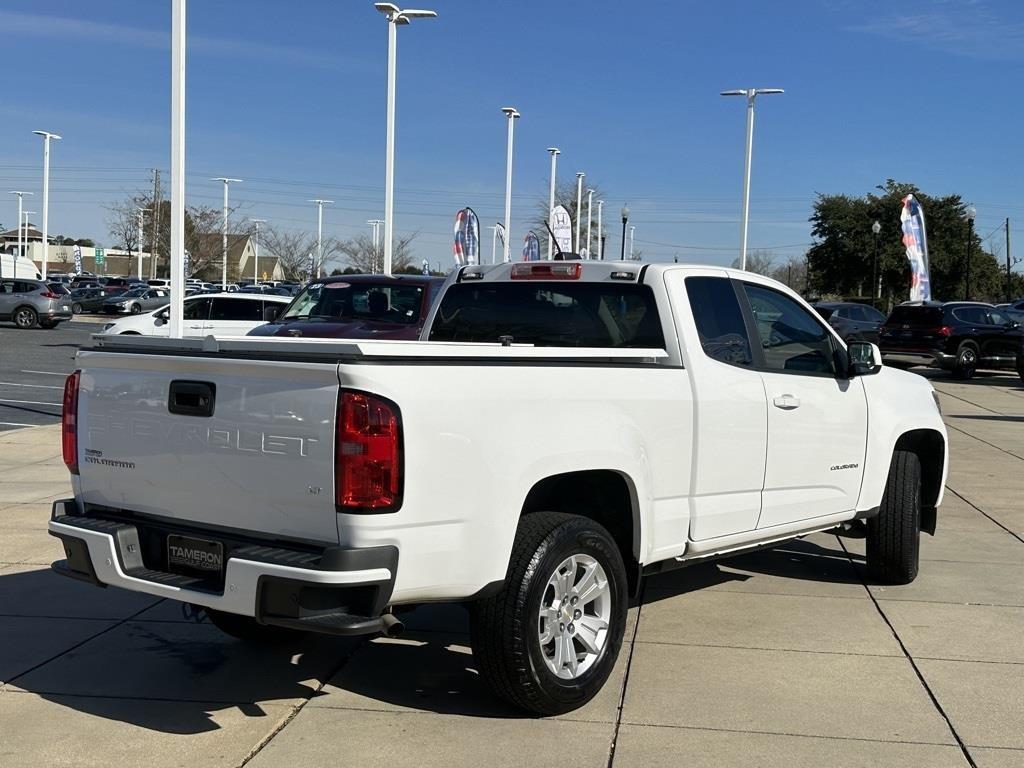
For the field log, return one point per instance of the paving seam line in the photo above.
(917, 671)
(262, 743)
(768, 650)
(625, 678)
(970, 402)
(797, 735)
(983, 512)
(986, 442)
(78, 645)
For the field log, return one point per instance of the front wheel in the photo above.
(25, 317)
(966, 361)
(136, 309)
(894, 534)
(549, 640)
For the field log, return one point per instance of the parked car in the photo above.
(358, 307)
(852, 321)
(27, 303)
(137, 300)
(614, 419)
(958, 336)
(227, 314)
(89, 299)
(264, 289)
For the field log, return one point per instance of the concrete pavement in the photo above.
(779, 658)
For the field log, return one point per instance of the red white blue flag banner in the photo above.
(467, 238)
(531, 247)
(916, 241)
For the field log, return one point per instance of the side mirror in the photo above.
(270, 314)
(864, 359)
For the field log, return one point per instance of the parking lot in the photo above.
(780, 658)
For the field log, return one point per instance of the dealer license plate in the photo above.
(194, 554)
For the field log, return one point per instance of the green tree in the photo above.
(840, 262)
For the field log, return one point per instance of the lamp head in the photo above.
(625, 214)
(876, 227)
(510, 112)
(554, 150)
(972, 213)
(47, 135)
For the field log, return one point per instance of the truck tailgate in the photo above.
(262, 460)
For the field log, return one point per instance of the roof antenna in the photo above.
(558, 256)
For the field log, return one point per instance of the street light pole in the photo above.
(875, 229)
(554, 152)
(46, 194)
(494, 242)
(600, 237)
(395, 16)
(320, 233)
(751, 94)
(625, 218)
(256, 251)
(512, 114)
(375, 223)
(21, 232)
(579, 201)
(142, 222)
(971, 213)
(632, 229)
(590, 201)
(224, 233)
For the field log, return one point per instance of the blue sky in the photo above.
(290, 97)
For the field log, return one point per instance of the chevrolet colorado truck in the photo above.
(561, 430)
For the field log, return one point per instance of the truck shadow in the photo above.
(134, 659)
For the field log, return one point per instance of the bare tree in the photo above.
(360, 254)
(792, 272)
(291, 247)
(123, 224)
(759, 262)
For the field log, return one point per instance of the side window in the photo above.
(792, 339)
(971, 315)
(20, 287)
(873, 315)
(857, 314)
(997, 318)
(719, 320)
(197, 309)
(236, 309)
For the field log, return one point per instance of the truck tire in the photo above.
(966, 361)
(548, 641)
(894, 535)
(247, 629)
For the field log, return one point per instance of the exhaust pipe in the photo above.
(390, 626)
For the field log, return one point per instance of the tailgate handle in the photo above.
(192, 398)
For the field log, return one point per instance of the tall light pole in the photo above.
(751, 94)
(320, 233)
(256, 251)
(494, 242)
(970, 213)
(375, 224)
(590, 201)
(177, 239)
(600, 238)
(21, 246)
(46, 194)
(224, 233)
(512, 114)
(554, 152)
(395, 17)
(632, 229)
(625, 218)
(142, 215)
(875, 229)
(579, 202)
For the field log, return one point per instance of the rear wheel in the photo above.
(76, 308)
(894, 535)
(25, 317)
(549, 640)
(966, 361)
(247, 629)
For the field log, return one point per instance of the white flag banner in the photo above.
(561, 225)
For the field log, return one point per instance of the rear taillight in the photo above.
(945, 330)
(50, 295)
(69, 422)
(367, 454)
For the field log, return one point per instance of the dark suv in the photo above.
(852, 321)
(358, 307)
(957, 336)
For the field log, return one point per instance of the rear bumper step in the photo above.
(336, 591)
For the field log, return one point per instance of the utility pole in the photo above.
(154, 230)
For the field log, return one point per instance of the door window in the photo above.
(792, 340)
(971, 315)
(236, 309)
(856, 314)
(197, 309)
(998, 318)
(719, 320)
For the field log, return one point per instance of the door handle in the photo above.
(787, 402)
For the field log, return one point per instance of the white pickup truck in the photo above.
(563, 429)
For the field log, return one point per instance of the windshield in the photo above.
(357, 301)
(550, 315)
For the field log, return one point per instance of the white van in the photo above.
(18, 266)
